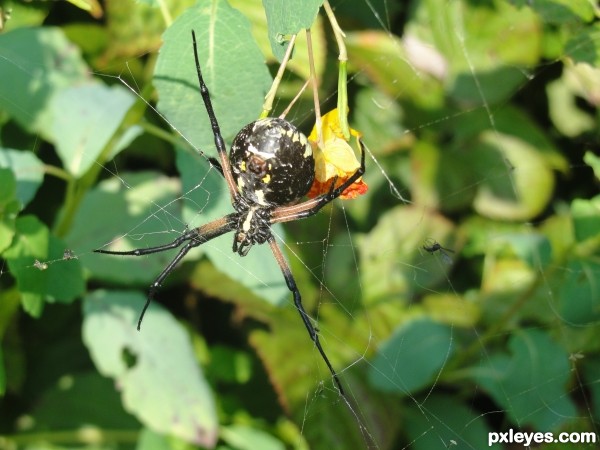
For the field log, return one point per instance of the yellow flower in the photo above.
(335, 158)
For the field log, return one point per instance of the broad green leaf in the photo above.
(578, 80)
(28, 170)
(586, 218)
(9, 207)
(160, 380)
(442, 419)
(35, 259)
(507, 169)
(36, 63)
(412, 357)
(383, 58)
(229, 365)
(530, 382)
(591, 373)
(149, 440)
(382, 132)
(135, 27)
(131, 211)
(393, 264)
(232, 67)
(255, 12)
(326, 421)
(2, 374)
(86, 117)
(72, 396)
(288, 18)
(560, 11)
(518, 194)
(594, 162)
(584, 46)
(91, 6)
(533, 248)
(242, 437)
(23, 14)
(484, 63)
(579, 293)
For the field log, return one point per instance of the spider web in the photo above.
(435, 349)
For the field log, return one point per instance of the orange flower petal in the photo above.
(335, 158)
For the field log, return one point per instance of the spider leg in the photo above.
(219, 142)
(159, 248)
(291, 284)
(194, 238)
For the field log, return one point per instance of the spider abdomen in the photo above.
(272, 162)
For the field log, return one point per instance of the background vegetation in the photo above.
(481, 121)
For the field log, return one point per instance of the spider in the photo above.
(269, 169)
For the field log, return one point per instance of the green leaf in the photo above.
(584, 46)
(131, 211)
(52, 279)
(23, 14)
(412, 357)
(28, 170)
(579, 292)
(591, 371)
(566, 115)
(150, 440)
(482, 64)
(36, 63)
(9, 207)
(2, 374)
(561, 11)
(442, 419)
(383, 59)
(594, 162)
(73, 395)
(520, 194)
(533, 248)
(386, 275)
(530, 382)
(586, 218)
(232, 67)
(78, 111)
(287, 18)
(242, 437)
(160, 380)
(229, 365)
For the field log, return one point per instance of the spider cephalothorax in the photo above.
(270, 168)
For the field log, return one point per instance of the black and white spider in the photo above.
(269, 169)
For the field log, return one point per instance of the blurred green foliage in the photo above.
(481, 120)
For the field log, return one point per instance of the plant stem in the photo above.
(268, 104)
(342, 97)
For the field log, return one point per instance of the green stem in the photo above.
(268, 104)
(342, 98)
(57, 172)
(164, 10)
(163, 134)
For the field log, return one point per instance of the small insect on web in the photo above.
(431, 246)
(269, 169)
